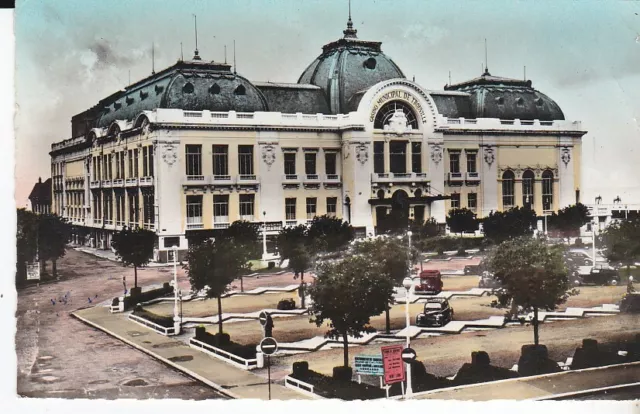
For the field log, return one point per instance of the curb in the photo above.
(185, 371)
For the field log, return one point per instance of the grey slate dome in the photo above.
(504, 98)
(188, 85)
(348, 66)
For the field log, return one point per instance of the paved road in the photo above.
(627, 393)
(58, 356)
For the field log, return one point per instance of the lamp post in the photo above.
(176, 316)
(593, 231)
(407, 283)
(264, 235)
(545, 224)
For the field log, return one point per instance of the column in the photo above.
(537, 195)
(387, 158)
(566, 187)
(489, 180)
(408, 159)
(518, 191)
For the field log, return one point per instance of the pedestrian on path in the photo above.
(630, 287)
(268, 326)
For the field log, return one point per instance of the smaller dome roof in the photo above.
(505, 98)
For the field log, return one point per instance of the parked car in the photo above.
(286, 304)
(437, 312)
(472, 269)
(430, 283)
(487, 281)
(600, 274)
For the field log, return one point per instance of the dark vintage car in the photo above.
(430, 283)
(600, 274)
(487, 281)
(286, 304)
(437, 312)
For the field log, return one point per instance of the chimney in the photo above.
(39, 180)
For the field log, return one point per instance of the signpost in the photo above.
(393, 365)
(369, 365)
(33, 271)
(408, 355)
(268, 346)
(263, 318)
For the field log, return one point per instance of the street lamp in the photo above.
(593, 232)
(264, 235)
(407, 283)
(176, 316)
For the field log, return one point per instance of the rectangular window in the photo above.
(378, 157)
(151, 161)
(332, 205)
(330, 163)
(472, 166)
(454, 162)
(310, 163)
(416, 157)
(145, 162)
(245, 159)
(472, 201)
(122, 156)
(311, 207)
(398, 157)
(547, 191)
(290, 163)
(169, 242)
(117, 165)
(290, 208)
(105, 167)
(418, 214)
(94, 164)
(131, 164)
(220, 160)
(246, 207)
(193, 155)
(148, 213)
(194, 210)
(118, 214)
(220, 208)
(134, 208)
(455, 200)
(508, 197)
(136, 168)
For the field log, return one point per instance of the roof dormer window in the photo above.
(214, 89)
(538, 101)
(370, 63)
(117, 105)
(159, 89)
(500, 100)
(143, 95)
(520, 101)
(130, 100)
(188, 88)
(240, 90)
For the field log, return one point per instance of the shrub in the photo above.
(300, 369)
(481, 370)
(534, 360)
(200, 332)
(271, 265)
(165, 321)
(224, 342)
(578, 242)
(461, 252)
(342, 373)
(147, 296)
(440, 251)
(286, 304)
(115, 302)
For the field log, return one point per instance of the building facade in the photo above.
(195, 147)
(40, 197)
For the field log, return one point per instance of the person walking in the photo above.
(268, 326)
(630, 287)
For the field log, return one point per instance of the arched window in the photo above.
(214, 89)
(188, 87)
(508, 182)
(547, 190)
(528, 179)
(240, 90)
(389, 109)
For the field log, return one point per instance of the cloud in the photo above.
(419, 33)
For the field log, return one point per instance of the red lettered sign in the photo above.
(392, 362)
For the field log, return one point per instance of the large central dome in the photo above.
(347, 66)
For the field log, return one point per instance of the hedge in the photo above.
(225, 343)
(165, 321)
(447, 243)
(130, 301)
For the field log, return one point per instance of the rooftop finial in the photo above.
(486, 61)
(181, 54)
(225, 54)
(153, 59)
(350, 33)
(196, 56)
(234, 56)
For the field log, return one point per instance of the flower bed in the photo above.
(130, 301)
(225, 343)
(328, 387)
(164, 321)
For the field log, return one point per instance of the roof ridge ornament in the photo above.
(350, 32)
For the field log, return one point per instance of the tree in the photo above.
(26, 241)
(569, 220)
(54, 233)
(391, 257)
(134, 248)
(462, 220)
(329, 234)
(504, 225)
(244, 235)
(621, 241)
(293, 245)
(213, 266)
(532, 274)
(348, 293)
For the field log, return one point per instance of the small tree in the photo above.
(462, 220)
(348, 293)
(504, 225)
(245, 236)
(532, 274)
(213, 266)
(293, 245)
(134, 248)
(391, 257)
(621, 241)
(329, 234)
(54, 233)
(569, 220)
(26, 241)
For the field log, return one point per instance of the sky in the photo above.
(585, 55)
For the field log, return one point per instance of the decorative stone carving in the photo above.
(489, 155)
(398, 123)
(565, 156)
(170, 154)
(269, 155)
(345, 150)
(436, 153)
(362, 153)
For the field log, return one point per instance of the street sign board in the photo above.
(408, 355)
(392, 362)
(33, 271)
(268, 346)
(262, 318)
(369, 365)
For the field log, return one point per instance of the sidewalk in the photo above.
(109, 255)
(230, 381)
(541, 386)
